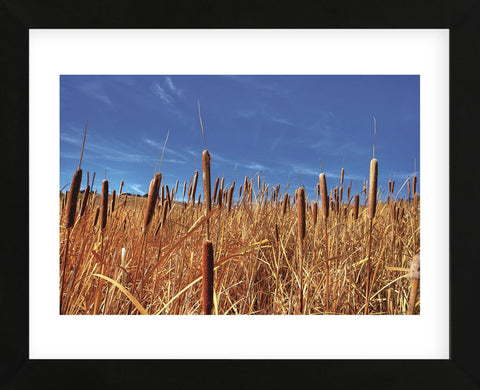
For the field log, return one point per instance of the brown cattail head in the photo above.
(240, 191)
(408, 188)
(314, 213)
(194, 186)
(355, 207)
(390, 186)
(341, 194)
(348, 192)
(97, 212)
(230, 196)
(121, 187)
(113, 201)
(323, 195)
(84, 200)
(169, 200)
(285, 204)
(341, 176)
(301, 212)
(72, 198)
(207, 280)
(104, 204)
(372, 191)
(206, 180)
(220, 198)
(393, 185)
(151, 200)
(414, 185)
(318, 190)
(184, 188)
(214, 197)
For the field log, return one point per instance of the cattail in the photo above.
(184, 188)
(120, 189)
(113, 201)
(96, 216)
(390, 186)
(194, 186)
(162, 198)
(393, 211)
(285, 204)
(104, 203)
(301, 212)
(220, 198)
(323, 195)
(393, 185)
(341, 194)
(415, 281)
(409, 191)
(84, 200)
(355, 207)
(240, 191)
(372, 191)
(151, 200)
(214, 197)
(348, 192)
(341, 176)
(414, 185)
(169, 201)
(206, 187)
(207, 280)
(314, 213)
(230, 196)
(72, 198)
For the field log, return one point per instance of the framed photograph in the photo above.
(287, 269)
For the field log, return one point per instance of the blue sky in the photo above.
(272, 125)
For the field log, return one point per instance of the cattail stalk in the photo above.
(372, 202)
(215, 188)
(355, 207)
(414, 281)
(207, 279)
(324, 199)
(103, 221)
(113, 201)
(85, 200)
(206, 188)
(285, 204)
(151, 200)
(72, 198)
(194, 186)
(230, 197)
(301, 236)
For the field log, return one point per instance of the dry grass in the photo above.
(258, 267)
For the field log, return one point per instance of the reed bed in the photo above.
(271, 256)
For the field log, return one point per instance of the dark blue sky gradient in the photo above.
(275, 125)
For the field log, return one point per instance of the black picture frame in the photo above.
(460, 371)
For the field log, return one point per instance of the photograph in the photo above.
(230, 194)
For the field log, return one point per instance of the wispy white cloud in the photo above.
(138, 188)
(168, 91)
(175, 90)
(158, 90)
(96, 90)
